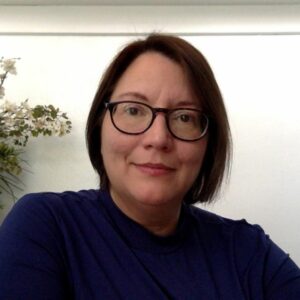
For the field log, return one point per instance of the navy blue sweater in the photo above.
(81, 246)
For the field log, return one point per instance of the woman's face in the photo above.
(152, 168)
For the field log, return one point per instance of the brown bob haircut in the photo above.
(202, 82)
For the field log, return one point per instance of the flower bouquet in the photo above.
(18, 123)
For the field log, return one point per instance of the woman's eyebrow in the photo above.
(137, 95)
(186, 103)
(133, 94)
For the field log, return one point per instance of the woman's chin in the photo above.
(156, 198)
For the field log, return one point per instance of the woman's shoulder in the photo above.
(209, 218)
(220, 223)
(37, 237)
(57, 198)
(49, 208)
(246, 240)
(256, 257)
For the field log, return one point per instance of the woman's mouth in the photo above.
(154, 169)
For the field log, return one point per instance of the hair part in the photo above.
(216, 162)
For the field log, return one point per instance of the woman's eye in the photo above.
(132, 111)
(185, 118)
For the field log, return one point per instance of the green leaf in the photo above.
(38, 111)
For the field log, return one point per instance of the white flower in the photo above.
(10, 107)
(8, 65)
(25, 105)
(21, 114)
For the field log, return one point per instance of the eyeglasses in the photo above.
(131, 117)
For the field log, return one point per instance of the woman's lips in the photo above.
(154, 169)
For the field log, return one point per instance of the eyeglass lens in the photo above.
(135, 118)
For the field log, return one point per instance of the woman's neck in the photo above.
(160, 220)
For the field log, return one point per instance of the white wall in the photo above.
(254, 52)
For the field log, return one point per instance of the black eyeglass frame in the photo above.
(110, 106)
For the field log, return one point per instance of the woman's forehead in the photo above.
(153, 75)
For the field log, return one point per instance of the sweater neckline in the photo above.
(136, 236)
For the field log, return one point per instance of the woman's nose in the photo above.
(158, 135)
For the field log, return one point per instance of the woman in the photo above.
(159, 138)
